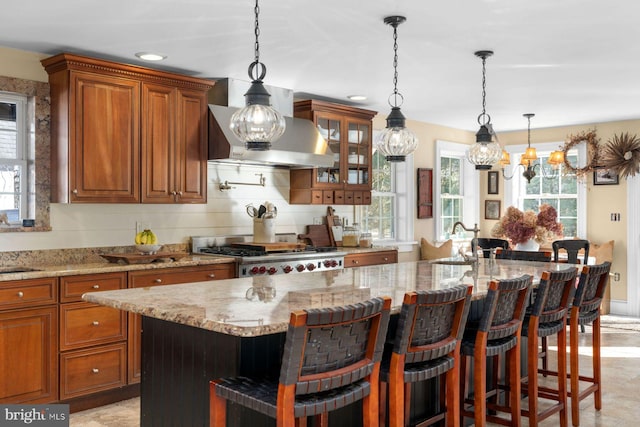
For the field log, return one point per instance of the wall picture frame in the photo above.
(605, 176)
(492, 209)
(493, 184)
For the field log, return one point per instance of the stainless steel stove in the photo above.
(254, 262)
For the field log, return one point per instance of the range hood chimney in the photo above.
(301, 145)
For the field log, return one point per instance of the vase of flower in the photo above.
(530, 245)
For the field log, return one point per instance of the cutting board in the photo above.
(318, 235)
(138, 258)
(271, 247)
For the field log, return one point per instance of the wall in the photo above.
(602, 200)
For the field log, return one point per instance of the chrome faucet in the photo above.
(475, 229)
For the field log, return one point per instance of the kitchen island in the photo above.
(193, 333)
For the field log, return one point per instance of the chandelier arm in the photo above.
(515, 170)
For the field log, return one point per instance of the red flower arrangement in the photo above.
(519, 227)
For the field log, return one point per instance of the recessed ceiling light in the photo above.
(150, 56)
(357, 97)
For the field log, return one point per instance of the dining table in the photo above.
(197, 332)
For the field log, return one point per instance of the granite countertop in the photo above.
(107, 267)
(261, 305)
(358, 250)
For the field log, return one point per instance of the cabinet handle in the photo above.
(95, 370)
(95, 323)
(75, 191)
(211, 276)
(173, 193)
(355, 261)
(20, 294)
(179, 193)
(158, 280)
(96, 286)
(386, 259)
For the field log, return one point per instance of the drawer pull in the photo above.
(95, 370)
(20, 294)
(356, 261)
(211, 276)
(386, 259)
(96, 286)
(158, 281)
(95, 323)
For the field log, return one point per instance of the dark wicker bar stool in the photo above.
(486, 244)
(331, 359)
(548, 317)
(572, 247)
(427, 345)
(585, 310)
(496, 333)
(542, 256)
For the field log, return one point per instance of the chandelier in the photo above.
(396, 142)
(258, 124)
(528, 159)
(484, 153)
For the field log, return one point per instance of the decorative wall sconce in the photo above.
(528, 159)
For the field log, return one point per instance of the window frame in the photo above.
(511, 194)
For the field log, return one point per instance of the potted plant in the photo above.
(528, 230)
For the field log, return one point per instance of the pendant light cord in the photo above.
(484, 116)
(396, 95)
(257, 70)
(256, 30)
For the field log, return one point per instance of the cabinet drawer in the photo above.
(72, 287)
(28, 293)
(83, 324)
(373, 258)
(88, 371)
(172, 276)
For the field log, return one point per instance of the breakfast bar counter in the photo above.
(193, 333)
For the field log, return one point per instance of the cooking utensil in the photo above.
(261, 211)
(252, 211)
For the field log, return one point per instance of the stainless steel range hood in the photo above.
(301, 146)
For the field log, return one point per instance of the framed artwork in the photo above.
(493, 183)
(492, 209)
(605, 176)
(425, 193)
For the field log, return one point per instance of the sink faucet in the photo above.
(475, 229)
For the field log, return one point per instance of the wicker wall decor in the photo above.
(593, 153)
(622, 155)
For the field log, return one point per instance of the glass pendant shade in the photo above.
(396, 142)
(484, 155)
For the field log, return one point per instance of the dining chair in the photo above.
(496, 333)
(543, 256)
(572, 247)
(486, 244)
(426, 345)
(331, 359)
(585, 310)
(548, 317)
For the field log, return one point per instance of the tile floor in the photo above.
(620, 372)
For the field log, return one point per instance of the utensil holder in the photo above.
(264, 230)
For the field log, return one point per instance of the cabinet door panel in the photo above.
(104, 164)
(191, 173)
(28, 355)
(158, 143)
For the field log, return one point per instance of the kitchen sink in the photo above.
(7, 270)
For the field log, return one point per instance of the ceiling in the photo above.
(569, 62)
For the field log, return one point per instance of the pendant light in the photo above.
(396, 142)
(484, 153)
(258, 124)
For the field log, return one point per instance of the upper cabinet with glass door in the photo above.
(348, 132)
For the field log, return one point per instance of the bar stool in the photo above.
(496, 333)
(331, 359)
(542, 256)
(426, 345)
(548, 317)
(486, 244)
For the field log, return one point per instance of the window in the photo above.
(563, 191)
(456, 189)
(389, 216)
(14, 158)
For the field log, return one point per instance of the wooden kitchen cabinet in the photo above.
(371, 258)
(169, 276)
(126, 134)
(92, 338)
(348, 132)
(29, 341)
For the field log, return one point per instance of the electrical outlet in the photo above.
(616, 277)
(141, 226)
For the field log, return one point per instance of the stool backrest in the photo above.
(554, 295)
(487, 244)
(591, 287)
(572, 247)
(431, 323)
(505, 306)
(543, 256)
(329, 348)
